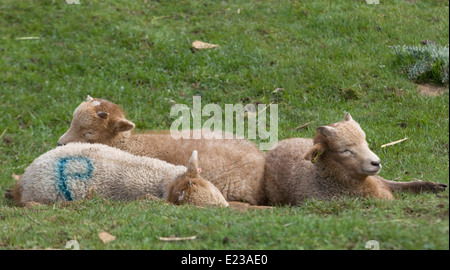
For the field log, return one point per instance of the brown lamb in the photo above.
(337, 163)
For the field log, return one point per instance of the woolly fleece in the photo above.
(112, 173)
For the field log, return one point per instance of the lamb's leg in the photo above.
(415, 186)
(33, 204)
(243, 207)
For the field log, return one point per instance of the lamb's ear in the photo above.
(192, 167)
(315, 152)
(326, 131)
(121, 125)
(348, 117)
(102, 114)
(89, 98)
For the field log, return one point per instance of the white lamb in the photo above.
(73, 171)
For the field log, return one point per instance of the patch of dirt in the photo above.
(431, 89)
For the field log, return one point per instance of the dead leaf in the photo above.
(173, 238)
(106, 237)
(200, 45)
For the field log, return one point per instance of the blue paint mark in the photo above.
(63, 177)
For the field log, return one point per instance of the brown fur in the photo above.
(343, 166)
(235, 167)
(244, 207)
(90, 125)
(16, 194)
(190, 188)
(190, 191)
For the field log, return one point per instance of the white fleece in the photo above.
(68, 172)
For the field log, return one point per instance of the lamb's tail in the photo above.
(8, 194)
(192, 167)
(15, 193)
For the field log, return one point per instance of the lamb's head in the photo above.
(190, 188)
(343, 148)
(96, 121)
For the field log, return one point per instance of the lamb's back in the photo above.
(288, 176)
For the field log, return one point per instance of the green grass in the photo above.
(330, 57)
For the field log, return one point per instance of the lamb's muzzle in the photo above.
(373, 164)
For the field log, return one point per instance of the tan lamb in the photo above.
(234, 166)
(75, 171)
(337, 163)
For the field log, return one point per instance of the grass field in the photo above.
(328, 58)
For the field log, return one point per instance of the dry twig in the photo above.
(392, 143)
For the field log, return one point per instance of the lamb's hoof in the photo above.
(441, 187)
(435, 187)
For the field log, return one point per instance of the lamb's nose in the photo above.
(376, 163)
(60, 144)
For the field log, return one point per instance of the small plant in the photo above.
(427, 63)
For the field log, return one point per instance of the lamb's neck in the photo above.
(121, 140)
(337, 182)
